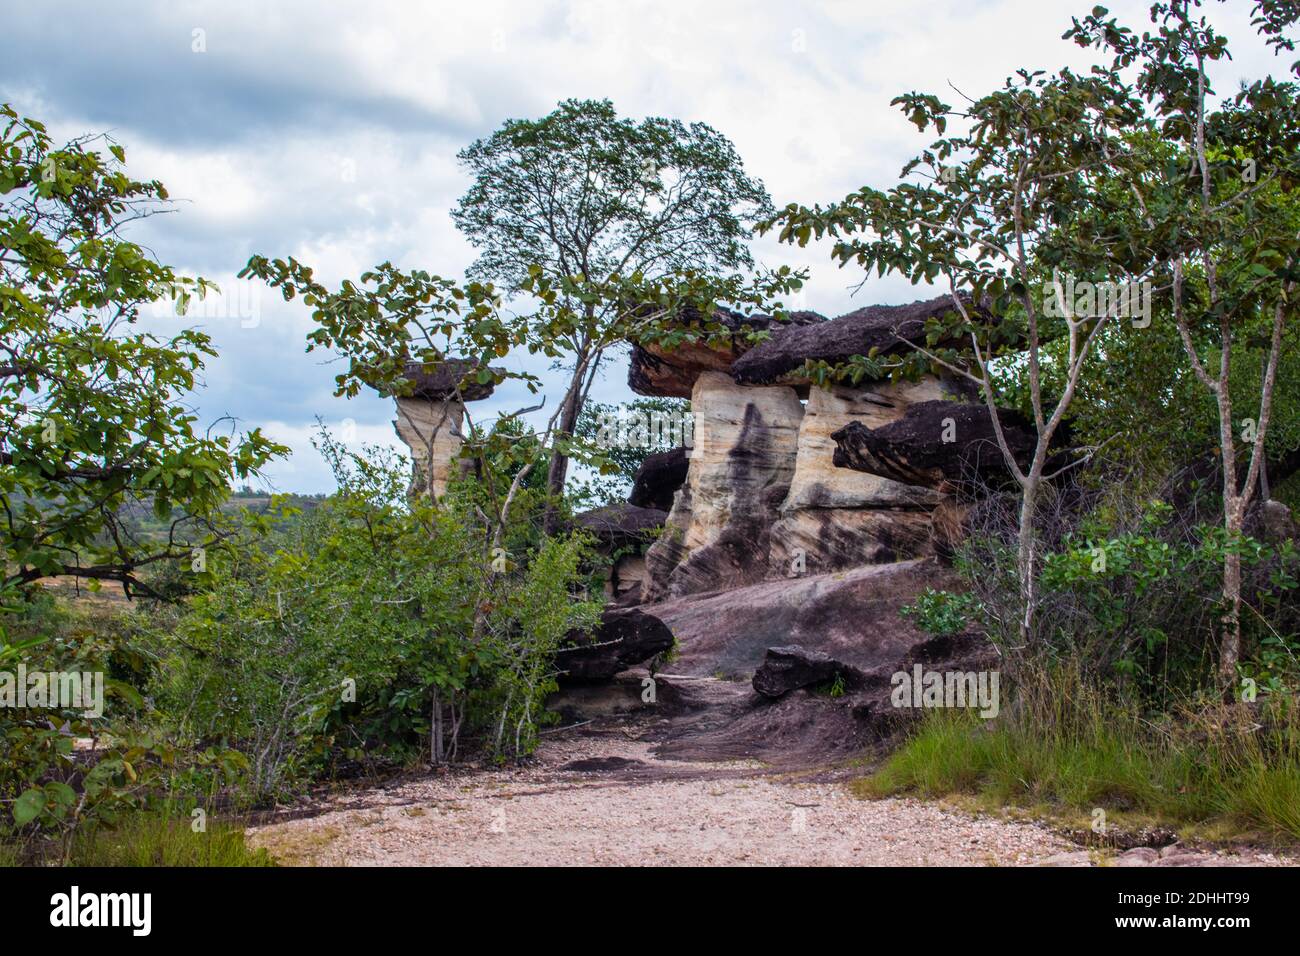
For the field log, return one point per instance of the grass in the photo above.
(159, 839)
(1214, 770)
(153, 839)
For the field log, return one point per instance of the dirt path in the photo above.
(607, 800)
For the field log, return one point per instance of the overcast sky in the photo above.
(328, 131)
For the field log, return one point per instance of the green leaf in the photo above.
(28, 807)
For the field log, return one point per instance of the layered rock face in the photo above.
(835, 518)
(731, 523)
(741, 466)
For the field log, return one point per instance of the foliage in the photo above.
(941, 613)
(614, 463)
(584, 195)
(93, 411)
(65, 771)
(358, 630)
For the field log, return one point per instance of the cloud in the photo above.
(329, 131)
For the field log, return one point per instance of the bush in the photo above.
(371, 630)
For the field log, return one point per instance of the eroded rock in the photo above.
(948, 446)
(892, 329)
(658, 478)
(741, 465)
(790, 668)
(431, 430)
(625, 637)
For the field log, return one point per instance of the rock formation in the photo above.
(656, 370)
(623, 532)
(626, 636)
(658, 478)
(947, 446)
(429, 420)
(741, 465)
(889, 329)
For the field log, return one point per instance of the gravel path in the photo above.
(621, 806)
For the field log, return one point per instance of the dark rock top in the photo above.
(440, 383)
(888, 328)
(946, 445)
(658, 479)
(655, 370)
(621, 525)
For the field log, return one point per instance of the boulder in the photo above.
(658, 478)
(851, 616)
(626, 637)
(741, 464)
(890, 329)
(948, 446)
(790, 668)
(619, 526)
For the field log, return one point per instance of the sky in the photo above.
(328, 131)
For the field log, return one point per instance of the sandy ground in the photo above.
(630, 808)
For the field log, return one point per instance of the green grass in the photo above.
(159, 839)
(1208, 767)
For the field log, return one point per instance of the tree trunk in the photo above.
(558, 470)
(1025, 556)
(1230, 642)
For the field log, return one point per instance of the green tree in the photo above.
(92, 412)
(582, 193)
(1221, 223)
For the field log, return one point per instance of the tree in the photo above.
(92, 418)
(1017, 196)
(1221, 221)
(583, 194)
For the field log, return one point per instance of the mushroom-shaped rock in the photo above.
(429, 418)
(658, 479)
(621, 525)
(891, 329)
(656, 369)
(626, 637)
(949, 446)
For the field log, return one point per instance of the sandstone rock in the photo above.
(657, 370)
(431, 430)
(818, 483)
(948, 446)
(658, 478)
(626, 579)
(741, 464)
(625, 637)
(888, 328)
(789, 668)
(816, 540)
(851, 616)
